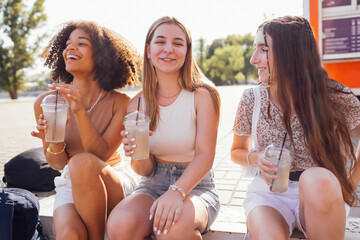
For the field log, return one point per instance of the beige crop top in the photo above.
(174, 137)
(101, 117)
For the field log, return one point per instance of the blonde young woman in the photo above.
(176, 198)
(92, 62)
(297, 97)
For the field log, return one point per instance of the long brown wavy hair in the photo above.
(191, 78)
(302, 81)
(117, 63)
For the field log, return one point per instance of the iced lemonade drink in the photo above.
(283, 165)
(55, 113)
(137, 125)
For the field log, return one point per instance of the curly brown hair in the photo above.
(117, 63)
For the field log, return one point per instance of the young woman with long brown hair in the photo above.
(317, 113)
(176, 198)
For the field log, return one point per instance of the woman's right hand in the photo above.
(41, 127)
(128, 143)
(266, 168)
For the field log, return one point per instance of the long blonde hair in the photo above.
(191, 78)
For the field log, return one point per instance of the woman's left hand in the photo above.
(166, 211)
(71, 94)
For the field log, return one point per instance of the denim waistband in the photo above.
(164, 167)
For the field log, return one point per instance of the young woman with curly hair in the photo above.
(297, 99)
(92, 62)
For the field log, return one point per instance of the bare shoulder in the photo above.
(121, 99)
(202, 95)
(134, 102)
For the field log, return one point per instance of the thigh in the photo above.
(111, 179)
(67, 220)
(266, 222)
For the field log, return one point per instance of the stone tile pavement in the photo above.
(17, 121)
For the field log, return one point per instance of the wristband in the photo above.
(247, 159)
(177, 188)
(247, 156)
(49, 150)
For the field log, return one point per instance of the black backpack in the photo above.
(19, 215)
(29, 170)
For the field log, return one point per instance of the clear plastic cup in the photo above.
(272, 153)
(137, 125)
(55, 112)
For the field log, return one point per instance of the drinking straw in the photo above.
(56, 101)
(137, 114)
(278, 162)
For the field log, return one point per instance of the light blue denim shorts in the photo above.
(165, 174)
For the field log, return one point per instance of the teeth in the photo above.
(167, 59)
(70, 56)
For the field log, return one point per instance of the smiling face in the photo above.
(78, 54)
(167, 49)
(259, 58)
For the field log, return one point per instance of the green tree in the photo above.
(17, 24)
(201, 53)
(225, 65)
(246, 42)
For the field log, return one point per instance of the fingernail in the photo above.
(150, 217)
(132, 139)
(57, 88)
(158, 232)
(126, 132)
(165, 232)
(50, 85)
(155, 229)
(134, 145)
(67, 94)
(173, 223)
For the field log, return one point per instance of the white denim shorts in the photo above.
(63, 183)
(287, 203)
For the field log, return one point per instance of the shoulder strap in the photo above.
(255, 117)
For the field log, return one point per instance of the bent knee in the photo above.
(82, 164)
(120, 225)
(319, 185)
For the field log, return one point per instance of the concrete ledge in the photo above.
(219, 230)
(222, 229)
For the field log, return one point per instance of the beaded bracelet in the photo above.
(49, 150)
(177, 188)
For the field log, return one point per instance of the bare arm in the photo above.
(56, 161)
(205, 142)
(101, 146)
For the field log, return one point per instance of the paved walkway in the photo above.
(17, 121)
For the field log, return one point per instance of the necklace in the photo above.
(96, 102)
(158, 92)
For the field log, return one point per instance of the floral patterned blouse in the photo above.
(271, 131)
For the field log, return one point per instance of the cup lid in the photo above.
(136, 115)
(51, 100)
